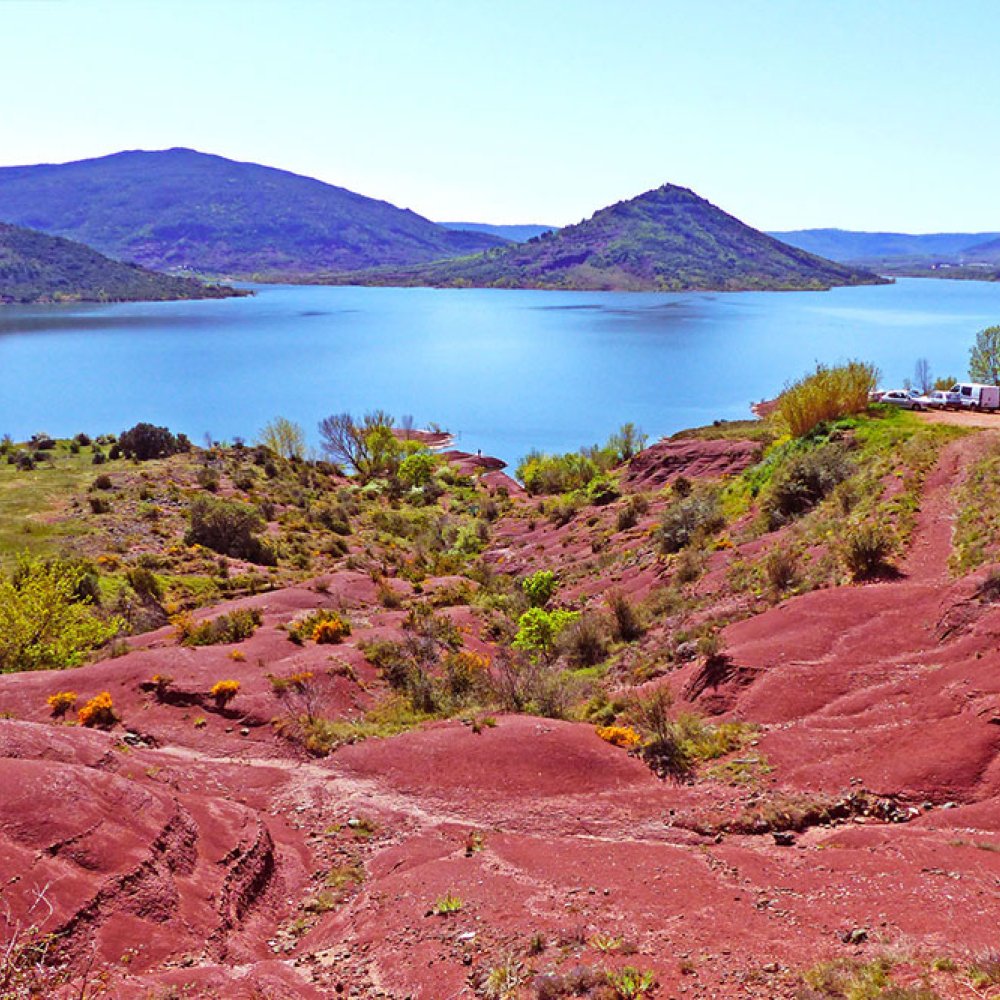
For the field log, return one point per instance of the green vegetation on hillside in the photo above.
(664, 240)
(178, 209)
(35, 267)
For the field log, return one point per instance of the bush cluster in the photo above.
(229, 528)
(688, 518)
(826, 394)
(145, 441)
(233, 626)
(804, 480)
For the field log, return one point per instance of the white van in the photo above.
(975, 396)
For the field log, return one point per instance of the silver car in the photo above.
(940, 399)
(900, 397)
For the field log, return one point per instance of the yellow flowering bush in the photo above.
(619, 736)
(224, 692)
(61, 702)
(99, 712)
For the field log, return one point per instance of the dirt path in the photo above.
(960, 418)
(930, 547)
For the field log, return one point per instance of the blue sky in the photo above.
(787, 113)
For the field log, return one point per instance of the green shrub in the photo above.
(561, 510)
(602, 489)
(626, 622)
(865, 551)
(781, 570)
(229, 528)
(539, 587)
(826, 394)
(234, 626)
(144, 582)
(804, 480)
(584, 642)
(548, 474)
(628, 515)
(145, 441)
(689, 518)
(46, 618)
(626, 442)
(537, 630)
(672, 747)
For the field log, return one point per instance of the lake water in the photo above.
(505, 370)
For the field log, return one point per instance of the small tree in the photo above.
(45, 620)
(230, 529)
(145, 441)
(284, 438)
(363, 444)
(627, 442)
(537, 630)
(922, 376)
(984, 358)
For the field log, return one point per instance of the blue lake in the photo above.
(505, 370)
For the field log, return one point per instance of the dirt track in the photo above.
(961, 418)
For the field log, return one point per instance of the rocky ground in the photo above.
(191, 851)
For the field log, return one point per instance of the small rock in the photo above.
(856, 935)
(770, 967)
(784, 838)
(244, 731)
(950, 805)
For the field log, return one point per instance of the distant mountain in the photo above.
(987, 252)
(35, 267)
(665, 240)
(517, 234)
(178, 209)
(846, 245)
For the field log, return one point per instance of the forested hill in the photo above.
(668, 239)
(181, 209)
(35, 267)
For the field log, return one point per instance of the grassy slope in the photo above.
(179, 208)
(35, 267)
(665, 240)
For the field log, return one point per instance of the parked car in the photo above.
(901, 397)
(976, 396)
(941, 399)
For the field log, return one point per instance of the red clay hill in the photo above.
(193, 850)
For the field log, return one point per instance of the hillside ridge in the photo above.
(667, 239)
(180, 209)
(38, 268)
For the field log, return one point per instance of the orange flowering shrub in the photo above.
(321, 626)
(464, 670)
(331, 631)
(99, 712)
(224, 692)
(619, 736)
(61, 702)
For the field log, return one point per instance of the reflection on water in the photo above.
(506, 370)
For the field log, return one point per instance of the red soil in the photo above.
(662, 463)
(181, 854)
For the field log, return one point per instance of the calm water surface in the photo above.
(505, 370)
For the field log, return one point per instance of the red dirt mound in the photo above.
(662, 463)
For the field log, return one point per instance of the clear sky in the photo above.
(862, 114)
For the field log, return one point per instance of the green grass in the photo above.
(29, 499)
(977, 526)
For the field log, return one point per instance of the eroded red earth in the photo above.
(192, 852)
